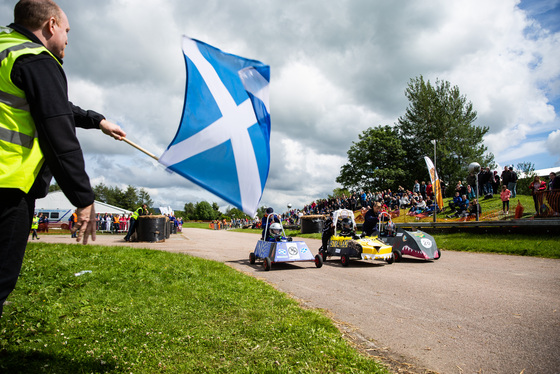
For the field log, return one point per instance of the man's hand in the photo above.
(111, 129)
(86, 223)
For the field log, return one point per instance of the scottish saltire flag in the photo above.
(223, 141)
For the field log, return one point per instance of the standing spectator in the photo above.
(505, 195)
(512, 183)
(505, 176)
(72, 222)
(537, 188)
(416, 187)
(487, 180)
(44, 221)
(429, 190)
(496, 183)
(423, 189)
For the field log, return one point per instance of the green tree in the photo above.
(375, 161)
(440, 112)
(204, 211)
(190, 212)
(339, 192)
(115, 196)
(525, 173)
(130, 198)
(261, 211)
(101, 192)
(54, 187)
(144, 198)
(235, 213)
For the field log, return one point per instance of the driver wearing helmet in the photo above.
(346, 228)
(275, 233)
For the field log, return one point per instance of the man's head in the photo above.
(47, 21)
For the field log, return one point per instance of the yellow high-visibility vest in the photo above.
(20, 155)
(35, 223)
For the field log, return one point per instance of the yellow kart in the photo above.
(345, 243)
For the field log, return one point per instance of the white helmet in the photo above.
(275, 229)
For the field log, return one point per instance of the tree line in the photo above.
(388, 156)
(130, 198)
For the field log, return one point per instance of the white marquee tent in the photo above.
(57, 201)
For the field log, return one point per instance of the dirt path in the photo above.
(465, 313)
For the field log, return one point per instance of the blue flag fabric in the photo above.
(223, 141)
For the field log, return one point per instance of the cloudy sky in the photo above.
(338, 67)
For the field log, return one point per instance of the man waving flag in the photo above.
(223, 141)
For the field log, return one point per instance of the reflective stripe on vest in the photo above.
(20, 155)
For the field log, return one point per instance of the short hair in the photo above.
(32, 14)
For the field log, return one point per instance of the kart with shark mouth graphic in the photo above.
(280, 248)
(347, 245)
(407, 243)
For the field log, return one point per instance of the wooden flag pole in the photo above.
(140, 149)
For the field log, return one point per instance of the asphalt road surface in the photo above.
(464, 313)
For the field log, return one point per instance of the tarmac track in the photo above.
(464, 313)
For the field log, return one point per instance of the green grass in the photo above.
(146, 311)
(547, 246)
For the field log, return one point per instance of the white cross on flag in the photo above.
(223, 141)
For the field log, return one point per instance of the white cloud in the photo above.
(553, 145)
(336, 70)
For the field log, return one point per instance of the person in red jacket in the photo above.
(537, 188)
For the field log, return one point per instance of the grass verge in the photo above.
(145, 311)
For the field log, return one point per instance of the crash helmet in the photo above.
(346, 224)
(275, 229)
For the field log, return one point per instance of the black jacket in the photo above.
(44, 82)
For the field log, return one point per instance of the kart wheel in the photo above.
(391, 260)
(252, 258)
(344, 259)
(318, 261)
(397, 255)
(267, 263)
(439, 255)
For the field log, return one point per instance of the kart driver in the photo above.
(275, 233)
(346, 227)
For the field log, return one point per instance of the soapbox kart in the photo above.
(412, 243)
(346, 244)
(282, 249)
